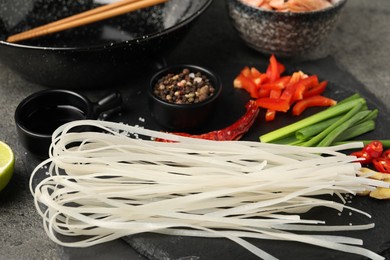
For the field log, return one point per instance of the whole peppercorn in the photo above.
(185, 87)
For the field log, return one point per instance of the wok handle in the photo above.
(109, 104)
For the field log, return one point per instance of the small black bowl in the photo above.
(183, 117)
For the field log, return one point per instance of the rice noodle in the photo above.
(101, 186)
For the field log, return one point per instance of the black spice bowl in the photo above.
(185, 116)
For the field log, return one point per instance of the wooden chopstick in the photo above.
(87, 17)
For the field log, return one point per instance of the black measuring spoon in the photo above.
(38, 115)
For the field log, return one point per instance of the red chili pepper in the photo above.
(362, 155)
(317, 101)
(374, 149)
(273, 104)
(386, 154)
(382, 164)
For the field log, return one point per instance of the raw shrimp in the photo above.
(290, 5)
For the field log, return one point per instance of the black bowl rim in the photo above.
(19, 109)
(182, 66)
(111, 45)
(337, 5)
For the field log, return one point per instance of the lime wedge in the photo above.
(7, 162)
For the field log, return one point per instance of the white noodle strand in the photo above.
(98, 186)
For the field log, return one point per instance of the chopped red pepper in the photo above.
(271, 113)
(303, 85)
(279, 84)
(275, 69)
(317, 90)
(274, 104)
(314, 101)
(292, 86)
(280, 93)
(244, 82)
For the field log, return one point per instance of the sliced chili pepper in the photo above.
(382, 164)
(317, 90)
(386, 154)
(274, 104)
(363, 156)
(374, 149)
(314, 101)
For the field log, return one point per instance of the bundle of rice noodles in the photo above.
(117, 181)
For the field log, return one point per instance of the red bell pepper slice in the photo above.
(243, 82)
(273, 104)
(303, 85)
(317, 90)
(279, 84)
(274, 69)
(264, 92)
(271, 113)
(314, 101)
(291, 86)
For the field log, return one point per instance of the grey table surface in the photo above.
(360, 44)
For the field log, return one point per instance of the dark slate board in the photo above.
(153, 246)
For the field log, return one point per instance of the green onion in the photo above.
(356, 130)
(317, 139)
(308, 132)
(342, 126)
(385, 143)
(330, 112)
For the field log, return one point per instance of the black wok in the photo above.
(105, 53)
